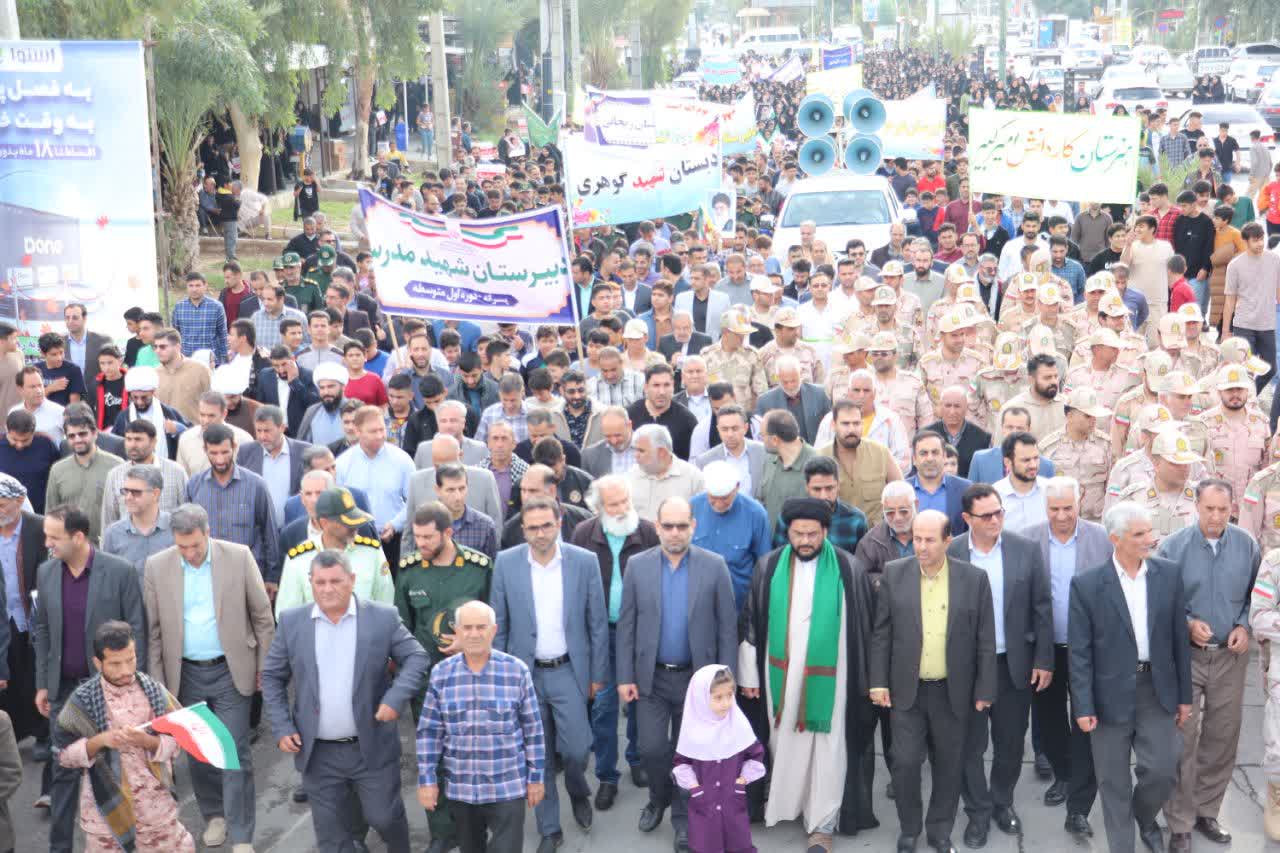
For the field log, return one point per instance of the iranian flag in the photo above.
(201, 734)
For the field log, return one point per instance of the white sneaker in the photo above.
(215, 833)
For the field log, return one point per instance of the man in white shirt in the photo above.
(694, 396)
(47, 413)
(658, 473)
(1022, 490)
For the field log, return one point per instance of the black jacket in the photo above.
(572, 456)
(302, 395)
(513, 532)
(972, 439)
(590, 535)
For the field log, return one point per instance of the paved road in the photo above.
(284, 827)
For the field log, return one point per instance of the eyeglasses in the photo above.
(675, 525)
(986, 516)
(126, 492)
(539, 528)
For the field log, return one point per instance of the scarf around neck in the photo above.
(818, 689)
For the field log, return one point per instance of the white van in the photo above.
(771, 41)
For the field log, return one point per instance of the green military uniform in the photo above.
(373, 574)
(427, 596)
(319, 279)
(309, 298)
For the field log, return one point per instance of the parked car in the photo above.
(1149, 54)
(842, 206)
(1129, 96)
(1122, 75)
(1175, 80)
(1251, 79)
(1257, 49)
(1269, 103)
(1209, 60)
(1084, 59)
(1116, 54)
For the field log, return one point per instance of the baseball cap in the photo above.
(1174, 446)
(1097, 282)
(1237, 351)
(1154, 417)
(1112, 305)
(1105, 338)
(787, 317)
(957, 274)
(1190, 312)
(338, 505)
(1180, 382)
(1007, 355)
(892, 268)
(1085, 401)
(732, 320)
(635, 329)
(326, 255)
(1023, 280)
(884, 296)
(1155, 364)
(865, 282)
(1233, 376)
(1049, 294)
(1040, 341)
(953, 320)
(291, 259)
(883, 342)
(968, 292)
(1173, 331)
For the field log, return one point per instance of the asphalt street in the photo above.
(285, 827)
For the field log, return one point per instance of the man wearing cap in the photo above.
(201, 321)
(731, 524)
(1201, 353)
(952, 363)
(1049, 299)
(1020, 302)
(1085, 315)
(1170, 493)
(1260, 507)
(992, 387)
(1181, 395)
(1103, 373)
(849, 354)
(1237, 437)
(307, 295)
(318, 276)
(763, 308)
(141, 383)
(732, 360)
(1154, 367)
(910, 308)
(1083, 449)
(786, 341)
(337, 516)
(1041, 396)
(855, 304)
(954, 277)
(903, 389)
(805, 626)
(885, 320)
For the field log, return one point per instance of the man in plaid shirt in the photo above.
(481, 715)
(201, 321)
(848, 523)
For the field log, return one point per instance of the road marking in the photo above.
(288, 832)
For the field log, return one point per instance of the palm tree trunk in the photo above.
(364, 78)
(249, 142)
(180, 217)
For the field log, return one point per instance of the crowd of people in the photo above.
(1014, 469)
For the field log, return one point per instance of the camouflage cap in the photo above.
(1172, 444)
(884, 296)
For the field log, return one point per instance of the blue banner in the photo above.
(77, 221)
(837, 57)
(721, 71)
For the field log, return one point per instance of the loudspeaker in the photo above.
(817, 115)
(863, 111)
(817, 156)
(863, 154)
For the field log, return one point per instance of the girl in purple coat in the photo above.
(717, 756)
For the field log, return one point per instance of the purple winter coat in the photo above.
(718, 821)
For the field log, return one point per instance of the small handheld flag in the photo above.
(201, 734)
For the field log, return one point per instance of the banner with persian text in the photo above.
(77, 218)
(508, 269)
(638, 119)
(1066, 157)
(914, 128)
(738, 127)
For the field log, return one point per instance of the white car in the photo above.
(771, 41)
(1130, 96)
(1122, 75)
(1211, 59)
(1250, 78)
(842, 206)
(1051, 76)
(1147, 54)
(1175, 80)
(1084, 59)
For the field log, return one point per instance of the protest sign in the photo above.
(836, 83)
(914, 128)
(508, 269)
(1069, 157)
(77, 220)
(611, 185)
(639, 119)
(721, 70)
(792, 69)
(738, 128)
(837, 57)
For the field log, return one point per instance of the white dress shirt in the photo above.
(282, 393)
(992, 563)
(548, 607)
(1135, 598)
(1022, 511)
(742, 462)
(336, 658)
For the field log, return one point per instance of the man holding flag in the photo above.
(125, 799)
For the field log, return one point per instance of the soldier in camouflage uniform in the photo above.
(1171, 494)
(1237, 436)
(1264, 621)
(786, 341)
(848, 353)
(1260, 507)
(1154, 367)
(910, 308)
(1082, 450)
(902, 391)
(1085, 315)
(732, 360)
(952, 364)
(1138, 466)
(885, 304)
(1199, 348)
(1103, 372)
(1113, 314)
(1049, 315)
(338, 517)
(991, 388)
(1184, 397)
(951, 281)
(1019, 302)
(434, 581)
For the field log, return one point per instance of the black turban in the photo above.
(812, 509)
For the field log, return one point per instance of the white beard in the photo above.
(621, 527)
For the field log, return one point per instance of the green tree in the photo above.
(483, 26)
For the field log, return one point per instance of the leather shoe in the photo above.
(442, 845)
(681, 842)
(975, 834)
(650, 817)
(943, 846)
(1212, 830)
(605, 795)
(1043, 768)
(1056, 794)
(639, 776)
(1078, 825)
(1007, 819)
(1152, 836)
(581, 811)
(906, 844)
(1179, 842)
(299, 794)
(549, 843)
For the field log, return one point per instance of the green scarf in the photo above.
(818, 695)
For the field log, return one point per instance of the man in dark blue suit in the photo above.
(302, 393)
(935, 489)
(1131, 675)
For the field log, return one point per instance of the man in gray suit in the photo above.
(744, 454)
(807, 401)
(482, 488)
(933, 662)
(77, 589)
(274, 457)
(338, 745)
(549, 601)
(657, 657)
(451, 419)
(83, 347)
(613, 454)
(1024, 658)
(1069, 545)
(1131, 675)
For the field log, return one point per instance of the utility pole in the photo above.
(575, 58)
(551, 25)
(1004, 35)
(9, 21)
(440, 91)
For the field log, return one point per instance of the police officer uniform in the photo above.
(991, 388)
(742, 367)
(1237, 446)
(1089, 461)
(1260, 507)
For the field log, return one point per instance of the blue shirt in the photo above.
(993, 565)
(203, 326)
(1072, 272)
(336, 658)
(1137, 305)
(77, 351)
(275, 471)
(907, 550)
(1062, 568)
(326, 427)
(199, 619)
(384, 478)
(13, 591)
(378, 363)
(740, 535)
(615, 579)
(930, 500)
(673, 634)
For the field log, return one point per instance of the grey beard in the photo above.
(621, 527)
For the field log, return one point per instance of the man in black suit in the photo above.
(285, 373)
(1024, 658)
(964, 435)
(1131, 675)
(933, 662)
(83, 347)
(337, 298)
(683, 340)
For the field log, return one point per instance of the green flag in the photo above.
(541, 133)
